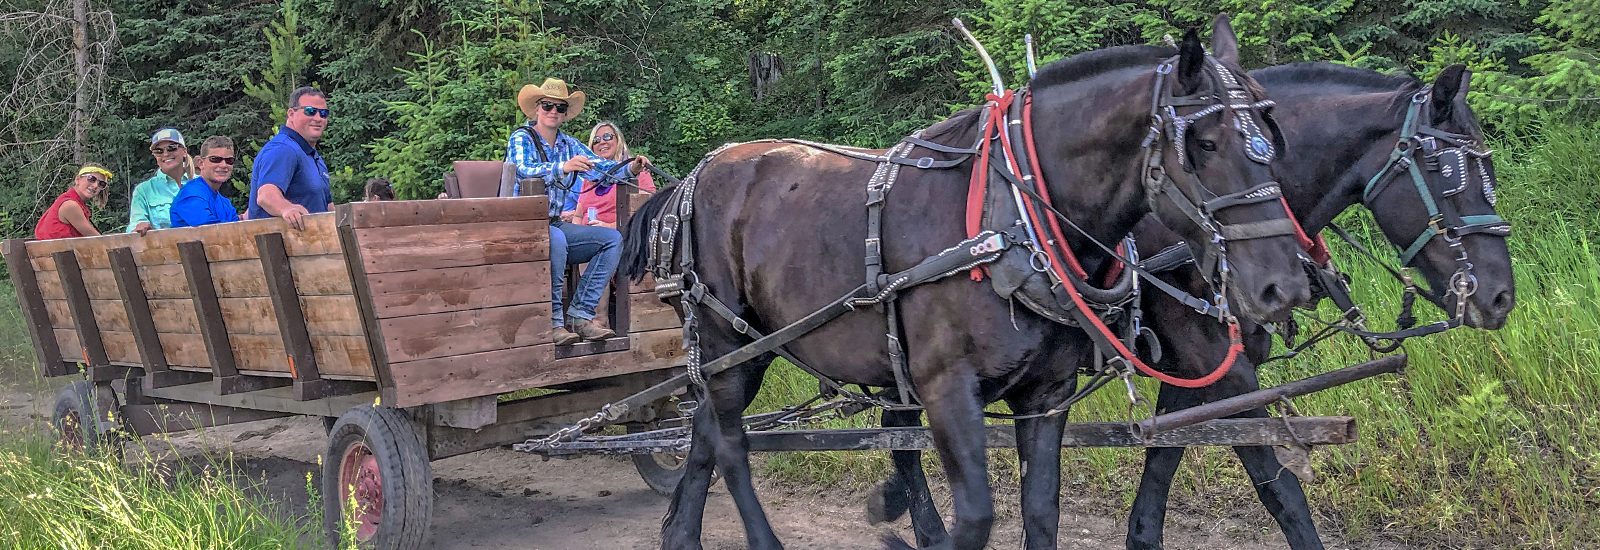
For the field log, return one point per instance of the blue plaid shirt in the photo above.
(562, 188)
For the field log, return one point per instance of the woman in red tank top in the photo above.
(69, 216)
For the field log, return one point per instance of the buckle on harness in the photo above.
(925, 163)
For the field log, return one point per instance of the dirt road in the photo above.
(500, 499)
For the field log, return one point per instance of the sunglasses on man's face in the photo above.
(225, 160)
(159, 150)
(557, 107)
(313, 111)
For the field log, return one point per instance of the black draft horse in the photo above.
(778, 230)
(1342, 124)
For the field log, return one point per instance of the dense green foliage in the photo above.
(415, 84)
(1495, 447)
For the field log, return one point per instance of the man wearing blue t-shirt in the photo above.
(199, 202)
(289, 179)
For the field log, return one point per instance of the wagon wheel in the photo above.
(376, 459)
(79, 422)
(661, 471)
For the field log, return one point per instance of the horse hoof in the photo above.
(885, 505)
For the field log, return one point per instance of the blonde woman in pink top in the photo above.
(597, 204)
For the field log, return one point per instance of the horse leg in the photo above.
(907, 489)
(955, 415)
(1149, 511)
(1280, 492)
(733, 459)
(680, 529)
(1039, 451)
(727, 397)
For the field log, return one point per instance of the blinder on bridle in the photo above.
(1452, 156)
(1236, 107)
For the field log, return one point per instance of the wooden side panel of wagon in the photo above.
(456, 302)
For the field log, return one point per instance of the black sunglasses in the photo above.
(225, 160)
(557, 107)
(309, 111)
(157, 150)
(94, 181)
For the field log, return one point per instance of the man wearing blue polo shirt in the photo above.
(289, 179)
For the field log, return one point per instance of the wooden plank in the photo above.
(321, 275)
(389, 249)
(223, 242)
(137, 309)
(218, 349)
(67, 344)
(94, 350)
(621, 320)
(650, 313)
(405, 293)
(46, 350)
(465, 332)
(344, 356)
(308, 383)
(462, 376)
(276, 399)
(325, 315)
(365, 215)
(591, 347)
(178, 417)
(378, 357)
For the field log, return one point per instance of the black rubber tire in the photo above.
(660, 471)
(77, 423)
(396, 445)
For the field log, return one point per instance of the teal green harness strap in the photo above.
(1416, 246)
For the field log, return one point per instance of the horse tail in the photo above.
(636, 237)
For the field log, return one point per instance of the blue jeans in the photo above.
(572, 244)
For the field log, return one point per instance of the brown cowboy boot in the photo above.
(591, 330)
(562, 337)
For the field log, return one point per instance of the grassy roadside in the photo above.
(1490, 439)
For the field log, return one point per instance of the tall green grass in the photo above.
(1489, 439)
(74, 501)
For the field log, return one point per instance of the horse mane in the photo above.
(1087, 64)
(957, 130)
(1316, 73)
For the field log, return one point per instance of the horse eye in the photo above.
(1207, 145)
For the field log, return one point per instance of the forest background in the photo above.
(1491, 439)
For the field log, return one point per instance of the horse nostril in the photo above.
(1503, 301)
(1272, 296)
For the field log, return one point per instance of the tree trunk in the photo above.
(80, 44)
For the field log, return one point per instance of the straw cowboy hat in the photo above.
(552, 88)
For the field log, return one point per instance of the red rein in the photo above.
(1061, 256)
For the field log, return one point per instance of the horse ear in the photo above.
(1224, 43)
(1191, 63)
(1449, 90)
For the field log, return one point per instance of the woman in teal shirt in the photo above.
(152, 199)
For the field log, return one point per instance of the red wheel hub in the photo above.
(359, 481)
(72, 431)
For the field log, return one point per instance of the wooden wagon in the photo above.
(405, 325)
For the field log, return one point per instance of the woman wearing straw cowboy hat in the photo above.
(541, 150)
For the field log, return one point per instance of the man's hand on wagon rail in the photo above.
(142, 228)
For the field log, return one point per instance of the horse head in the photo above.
(1206, 164)
(1437, 204)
